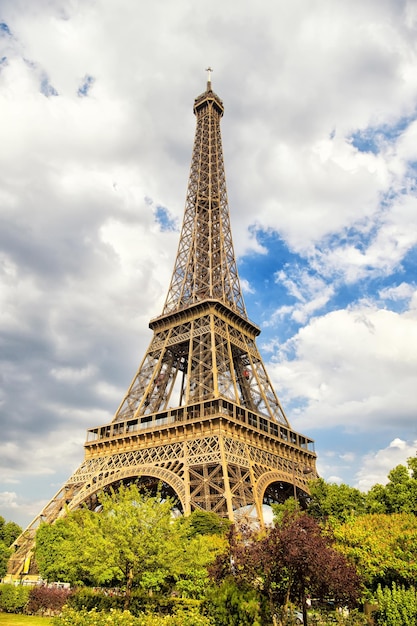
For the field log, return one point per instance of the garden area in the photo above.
(134, 564)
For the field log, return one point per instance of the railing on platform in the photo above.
(200, 411)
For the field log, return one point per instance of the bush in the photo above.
(13, 599)
(71, 617)
(140, 602)
(47, 600)
(89, 599)
(396, 606)
(230, 605)
(334, 618)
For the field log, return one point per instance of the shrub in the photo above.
(141, 602)
(71, 617)
(47, 600)
(230, 605)
(13, 599)
(396, 606)
(100, 600)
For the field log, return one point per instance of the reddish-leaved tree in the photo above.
(288, 562)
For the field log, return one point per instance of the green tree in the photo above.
(59, 547)
(132, 542)
(5, 554)
(375, 500)
(383, 547)
(231, 604)
(281, 510)
(205, 523)
(198, 553)
(9, 531)
(399, 495)
(329, 501)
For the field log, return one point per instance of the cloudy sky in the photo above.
(320, 144)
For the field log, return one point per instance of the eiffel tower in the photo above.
(201, 417)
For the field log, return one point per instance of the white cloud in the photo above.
(311, 292)
(8, 499)
(354, 368)
(404, 291)
(72, 374)
(376, 466)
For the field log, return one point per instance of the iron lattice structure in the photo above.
(201, 416)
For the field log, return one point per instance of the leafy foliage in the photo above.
(290, 506)
(205, 523)
(340, 503)
(13, 599)
(5, 554)
(57, 549)
(234, 605)
(397, 606)
(383, 547)
(399, 495)
(46, 600)
(89, 598)
(103, 600)
(131, 539)
(132, 542)
(288, 562)
(9, 531)
(71, 617)
(335, 502)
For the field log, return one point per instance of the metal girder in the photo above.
(207, 355)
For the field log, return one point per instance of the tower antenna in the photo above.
(209, 71)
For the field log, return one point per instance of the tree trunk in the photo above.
(304, 608)
(128, 594)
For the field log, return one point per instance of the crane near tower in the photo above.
(201, 419)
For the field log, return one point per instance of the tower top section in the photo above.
(205, 267)
(208, 97)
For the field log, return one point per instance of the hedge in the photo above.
(71, 617)
(13, 599)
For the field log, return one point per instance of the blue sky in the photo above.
(319, 138)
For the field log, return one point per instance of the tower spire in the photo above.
(209, 71)
(205, 265)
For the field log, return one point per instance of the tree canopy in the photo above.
(9, 531)
(335, 502)
(132, 541)
(383, 547)
(399, 495)
(345, 544)
(339, 503)
(289, 561)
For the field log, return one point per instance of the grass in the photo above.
(11, 619)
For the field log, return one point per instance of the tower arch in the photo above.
(139, 475)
